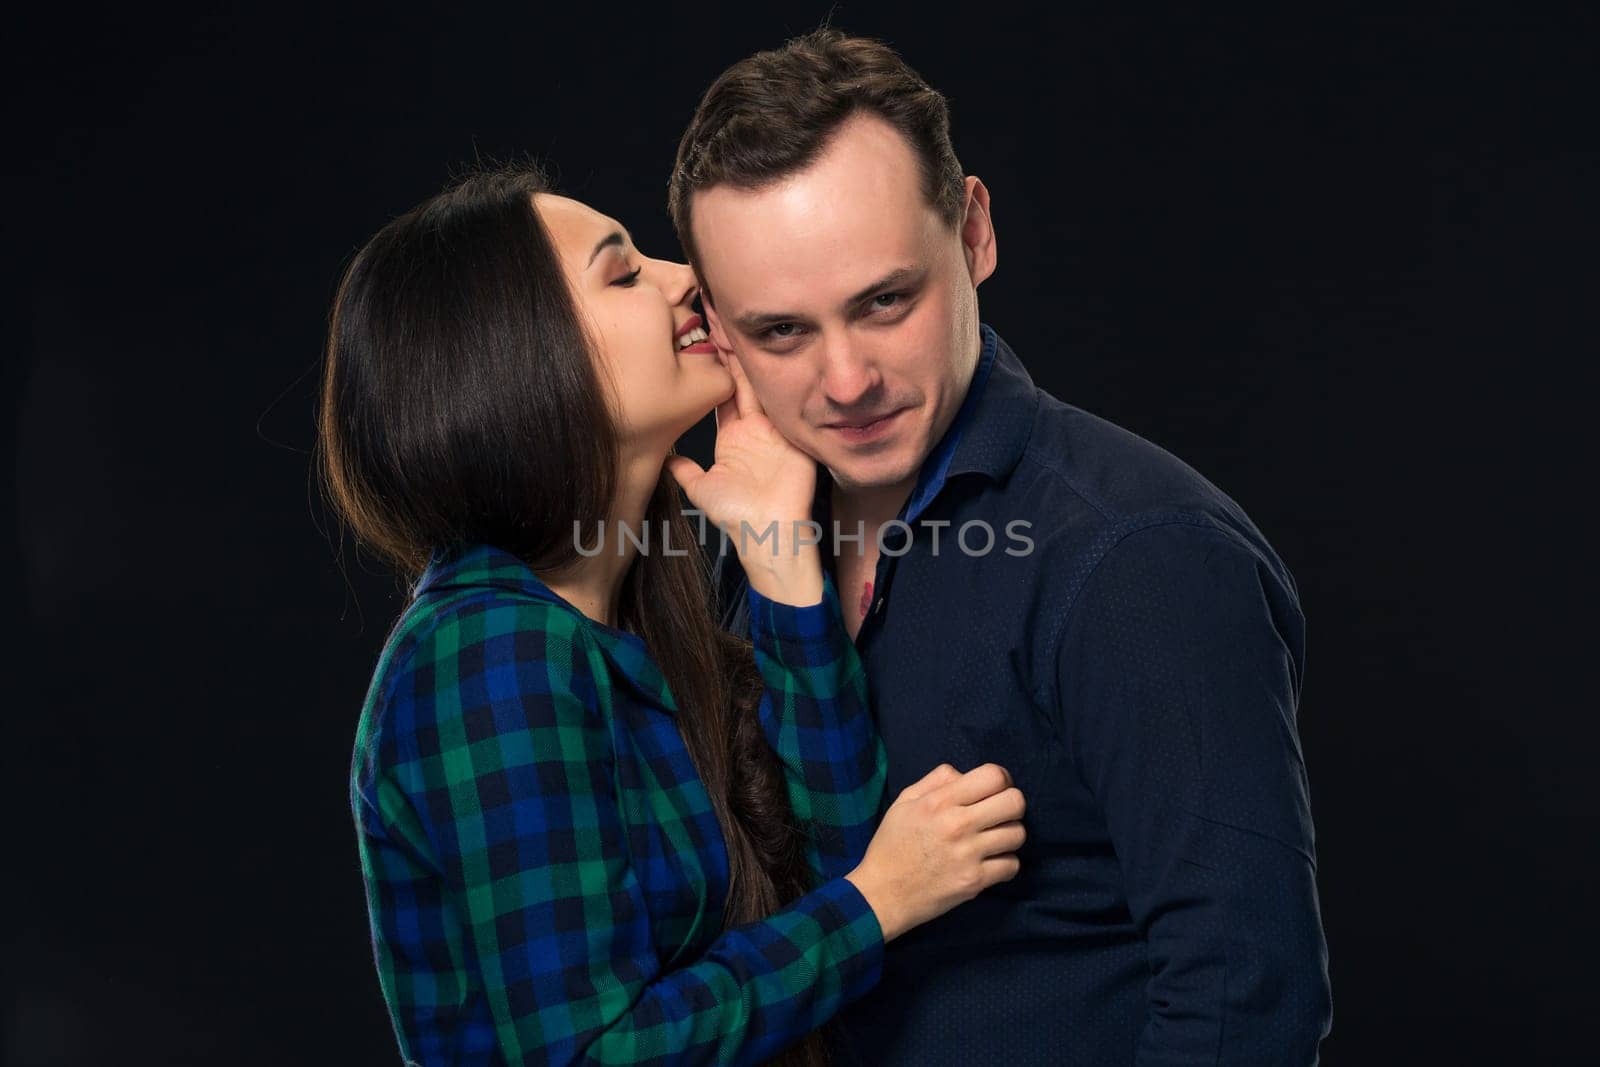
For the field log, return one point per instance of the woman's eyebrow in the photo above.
(612, 238)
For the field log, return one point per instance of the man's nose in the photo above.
(848, 375)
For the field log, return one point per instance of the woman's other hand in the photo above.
(943, 841)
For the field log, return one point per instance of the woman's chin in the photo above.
(700, 391)
(708, 379)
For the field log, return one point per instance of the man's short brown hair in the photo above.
(769, 116)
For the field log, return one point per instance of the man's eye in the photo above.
(629, 278)
(885, 300)
(783, 329)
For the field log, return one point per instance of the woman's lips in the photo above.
(867, 432)
(705, 347)
(690, 323)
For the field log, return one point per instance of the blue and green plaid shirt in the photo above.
(545, 876)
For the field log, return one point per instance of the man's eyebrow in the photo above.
(755, 321)
(612, 238)
(899, 276)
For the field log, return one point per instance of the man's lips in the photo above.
(859, 423)
(860, 430)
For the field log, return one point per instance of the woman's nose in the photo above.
(677, 282)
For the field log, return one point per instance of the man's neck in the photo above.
(855, 567)
(873, 505)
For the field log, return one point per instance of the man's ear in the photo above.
(719, 335)
(977, 231)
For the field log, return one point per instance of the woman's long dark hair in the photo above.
(461, 404)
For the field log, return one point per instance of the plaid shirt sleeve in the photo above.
(816, 717)
(504, 761)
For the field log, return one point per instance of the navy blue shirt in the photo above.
(1131, 649)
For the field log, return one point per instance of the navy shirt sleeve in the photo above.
(1179, 668)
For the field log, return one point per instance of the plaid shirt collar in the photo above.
(483, 566)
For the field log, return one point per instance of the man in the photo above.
(1026, 584)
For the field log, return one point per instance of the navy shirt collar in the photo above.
(996, 420)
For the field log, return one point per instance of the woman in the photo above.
(593, 827)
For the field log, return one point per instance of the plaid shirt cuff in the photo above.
(851, 927)
(799, 640)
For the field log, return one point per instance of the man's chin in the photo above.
(855, 474)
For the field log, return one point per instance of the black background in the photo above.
(1345, 268)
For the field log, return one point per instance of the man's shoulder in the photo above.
(1114, 470)
(1073, 466)
(1095, 482)
(1098, 491)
